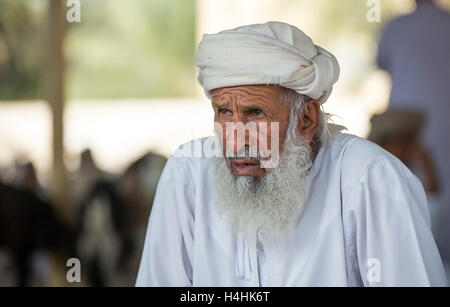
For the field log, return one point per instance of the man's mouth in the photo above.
(244, 167)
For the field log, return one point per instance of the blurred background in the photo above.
(90, 110)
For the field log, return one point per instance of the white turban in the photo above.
(270, 53)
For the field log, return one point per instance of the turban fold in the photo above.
(270, 53)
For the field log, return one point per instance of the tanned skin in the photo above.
(259, 103)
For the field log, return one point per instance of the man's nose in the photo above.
(239, 117)
(241, 136)
(235, 145)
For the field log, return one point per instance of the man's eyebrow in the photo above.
(220, 103)
(251, 106)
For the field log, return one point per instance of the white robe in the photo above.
(365, 223)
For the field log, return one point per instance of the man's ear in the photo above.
(309, 120)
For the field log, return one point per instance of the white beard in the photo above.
(271, 206)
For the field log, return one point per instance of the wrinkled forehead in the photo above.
(249, 92)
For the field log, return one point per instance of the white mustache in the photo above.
(247, 152)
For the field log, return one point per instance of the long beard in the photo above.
(272, 205)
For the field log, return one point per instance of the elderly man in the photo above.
(330, 210)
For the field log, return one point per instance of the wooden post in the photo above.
(55, 96)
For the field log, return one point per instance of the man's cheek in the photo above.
(220, 131)
(271, 156)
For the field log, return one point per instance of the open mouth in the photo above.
(245, 167)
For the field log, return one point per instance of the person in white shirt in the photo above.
(308, 206)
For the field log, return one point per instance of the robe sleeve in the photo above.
(167, 254)
(391, 224)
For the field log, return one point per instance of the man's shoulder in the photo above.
(355, 146)
(366, 166)
(359, 155)
(192, 157)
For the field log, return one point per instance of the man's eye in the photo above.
(256, 112)
(224, 111)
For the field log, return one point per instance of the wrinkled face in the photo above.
(250, 104)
